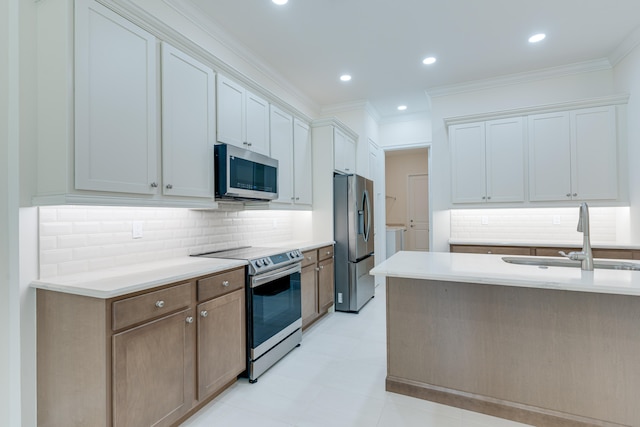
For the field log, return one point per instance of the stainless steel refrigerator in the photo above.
(353, 233)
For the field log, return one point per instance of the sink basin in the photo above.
(564, 262)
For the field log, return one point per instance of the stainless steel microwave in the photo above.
(241, 174)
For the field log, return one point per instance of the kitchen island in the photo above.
(553, 346)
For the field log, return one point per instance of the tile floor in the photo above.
(335, 378)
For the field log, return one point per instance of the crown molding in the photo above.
(350, 106)
(334, 121)
(620, 99)
(625, 48)
(517, 78)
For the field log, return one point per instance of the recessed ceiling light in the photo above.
(428, 61)
(280, 2)
(345, 77)
(537, 38)
(402, 107)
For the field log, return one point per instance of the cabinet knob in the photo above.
(204, 313)
(317, 269)
(575, 194)
(568, 194)
(328, 252)
(484, 197)
(488, 197)
(225, 283)
(347, 169)
(322, 267)
(309, 258)
(489, 252)
(154, 185)
(189, 319)
(169, 186)
(160, 304)
(293, 198)
(297, 198)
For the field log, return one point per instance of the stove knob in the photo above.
(266, 261)
(259, 263)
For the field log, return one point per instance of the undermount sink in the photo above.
(564, 262)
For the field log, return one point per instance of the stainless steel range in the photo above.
(273, 304)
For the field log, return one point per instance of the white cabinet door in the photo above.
(344, 152)
(350, 155)
(303, 163)
(468, 183)
(116, 142)
(230, 111)
(505, 160)
(594, 154)
(282, 150)
(256, 123)
(188, 125)
(549, 157)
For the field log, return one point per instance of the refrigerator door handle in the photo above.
(366, 218)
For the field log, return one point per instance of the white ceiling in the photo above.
(382, 43)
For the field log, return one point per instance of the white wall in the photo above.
(406, 131)
(627, 80)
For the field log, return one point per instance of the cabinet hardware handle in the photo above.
(309, 258)
(489, 198)
(568, 194)
(317, 269)
(169, 186)
(489, 252)
(328, 252)
(154, 185)
(160, 304)
(484, 197)
(225, 283)
(249, 144)
(293, 198)
(575, 194)
(322, 267)
(204, 313)
(297, 198)
(189, 319)
(245, 143)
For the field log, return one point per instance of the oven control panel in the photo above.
(274, 261)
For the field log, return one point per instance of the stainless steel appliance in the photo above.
(273, 302)
(244, 175)
(353, 233)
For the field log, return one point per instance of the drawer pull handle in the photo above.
(204, 313)
(189, 319)
(317, 269)
(225, 283)
(160, 304)
(322, 267)
(328, 252)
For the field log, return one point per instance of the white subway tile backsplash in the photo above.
(84, 238)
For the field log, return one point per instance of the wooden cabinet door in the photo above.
(468, 167)
(325, 284)
(188, 125)
(505, 160)
(282, 150)
(549, 157)
(116, 142)
(230, 112)
(221, 342)
(256, 124)
(154, 372)
(594, 154)
(309, 294)
(302, 163)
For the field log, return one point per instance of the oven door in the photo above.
(274, 308)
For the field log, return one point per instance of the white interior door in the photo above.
(418, 213)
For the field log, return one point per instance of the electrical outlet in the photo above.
(339, 297)
(485, 220)
(275, 223)
(136, 229)
(556, 220)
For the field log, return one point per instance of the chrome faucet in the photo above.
(585, 256)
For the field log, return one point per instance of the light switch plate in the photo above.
(485, 220)
(556, 220)
(136, 229)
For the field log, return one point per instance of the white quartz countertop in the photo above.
(303, 245)
(492, 270)
(115, 282)
(542, 243)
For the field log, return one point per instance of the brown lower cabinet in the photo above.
(149, 358)
(317, 283)
(607, 253)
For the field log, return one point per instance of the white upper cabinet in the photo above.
(344, 147)
(303, 163)
(487, 161)
(573, 155)
(243, 117)
(116, 142)
(188, 125)
(291, 146)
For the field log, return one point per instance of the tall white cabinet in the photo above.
(303, 163)
(573, 155)
(116, 142)
(243, 117)
(188, 125)
(344, 146)
(487, 161)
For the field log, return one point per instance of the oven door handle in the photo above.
(261, 279)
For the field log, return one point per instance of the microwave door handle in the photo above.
(261, 279)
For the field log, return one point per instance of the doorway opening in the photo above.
(407, 199)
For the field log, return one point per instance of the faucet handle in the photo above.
(564, 254)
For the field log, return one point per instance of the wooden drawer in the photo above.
(220, 284)
(310, 257)
(500, 250)
(325, 252)
(554, 251)
(144, 307)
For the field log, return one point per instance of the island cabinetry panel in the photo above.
(565, 150)
(153, 357)
(606, 253)
(503, 250)
(537, 356)
(243, 117)
(488, 161)
(317, 282)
